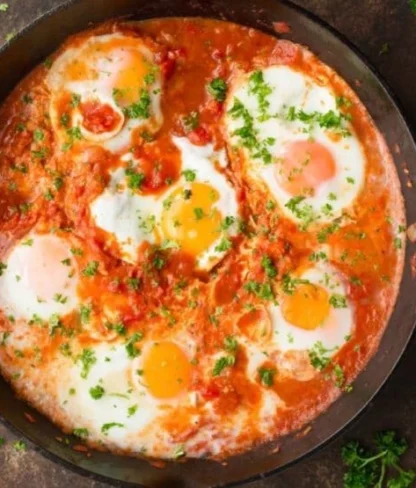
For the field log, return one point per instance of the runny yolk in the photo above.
(190, 218)
(307, 308)
(305, 165)
(166, 370)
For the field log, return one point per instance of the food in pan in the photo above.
(201, 241)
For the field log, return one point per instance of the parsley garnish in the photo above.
(134, 178)
(224, 245)
(91, 269)
(131, 349)
(301, 210)
(222, 363)
(140, 109)
(319, 356)
(189, 175)
(262, 90)
(82, 433)
(338, 301)
(87, 359)
(267, 376)
(190, 122)
(97, 392)
(218, 89)
(368, 469)
(268, 266)
(289, 284)
(106, 427)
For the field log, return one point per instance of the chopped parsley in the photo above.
(268, 266)
(217, 88)
(261, 290)
(140, 109)
(4, 7)
(329, 120)
(38, 135)
(247, 133)
(230, 344)
(315, 257)
(91, 269)
(267, 376)
(97, 392)
(319, 356)
(222, 363)
(224, 245)
(131, 349)
(189, 175)
(87, 359)
(338, 301)
(289, 284)
(106, 427)
(301, 210)
(134, 178)
(81, 433)
(19, 445)
(75, 100)
(179, 451)
(261, 90)
(199, 213)
(3, 267)
(190, 122)
(85, 314)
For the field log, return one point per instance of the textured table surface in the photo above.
(370, 25)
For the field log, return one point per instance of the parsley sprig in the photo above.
(373, 469)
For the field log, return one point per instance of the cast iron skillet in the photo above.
(41, 38)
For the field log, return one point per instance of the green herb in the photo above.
(132, 410)
(58, 297)
(230, 344)
(28, 242)
(268, 266)
(97, 392)
(41, 154)
(190, 122)
(328, 120)
(267, 376)
(4, 7)
(64, 119)
(106, 427)
(133, 283)
(134, 178)
(82, 433)
(397, 243)
(319, 356)
(189, 174)
(224, 245)
(158, 262)
(2, 441)
(87, 359)
(412, 4)
(301, 210)
(19, 445)
(227, 222)
(327, 231)
(338, 301)
(76, 251)
(385, 48)
(48, 63)
(85, 314)
(247, 134)
(218, 89)
(150, 78)
(318, 256)
(91, 268)
(199, 213)
(75, 100)
(261, 290)
(38, 135)
(270, 205)
(262, 90)
(339, 376)
(54, 323)
(3, 267)
(140, 109)
(131, 349)
(356, 281)
(27, 99)
(373, 469)
(289, 284)
(222, 363)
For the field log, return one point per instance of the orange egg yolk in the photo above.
(166, 370)
(190, 218)
(45, 272)
(117, 64)
(305, 165)
(307, 308)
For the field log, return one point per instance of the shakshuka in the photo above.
(201, 238)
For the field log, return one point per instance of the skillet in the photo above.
(41, 38)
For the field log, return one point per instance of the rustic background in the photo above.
(385, 31)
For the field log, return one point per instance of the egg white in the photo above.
(18, 297)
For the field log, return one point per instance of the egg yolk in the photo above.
(307, 308)
(190, 218)
(45, 272)
(166, 370)
(117, 64)
(305, 165)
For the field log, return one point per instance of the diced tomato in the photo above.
(211, 391)
(99, 118)
(199, 136)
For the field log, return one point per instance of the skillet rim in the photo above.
(299, 10)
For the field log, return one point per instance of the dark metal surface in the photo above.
(370, 26)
